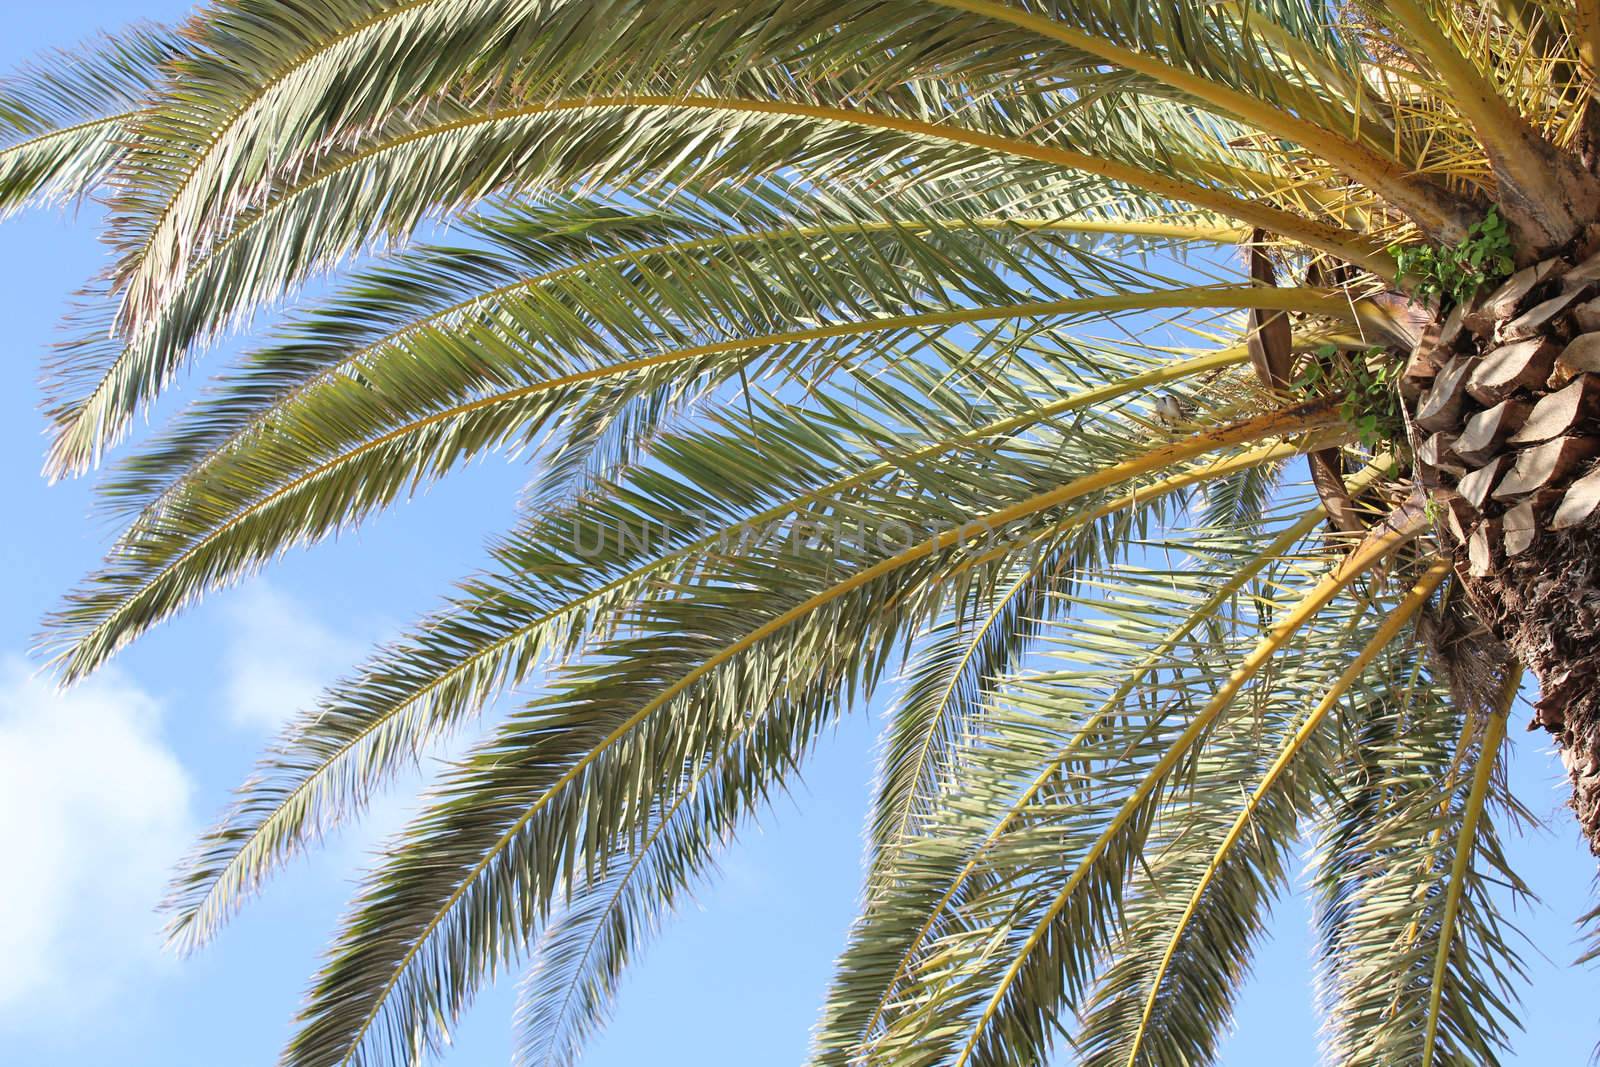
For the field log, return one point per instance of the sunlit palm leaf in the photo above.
(64, 119)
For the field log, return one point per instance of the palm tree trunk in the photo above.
(1503, 398)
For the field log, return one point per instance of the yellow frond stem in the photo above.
(1519, 153)
(1471, 90)
(1375, 548)
(1386, 633)
(1382, 175)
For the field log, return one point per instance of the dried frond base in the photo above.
(1509, 415)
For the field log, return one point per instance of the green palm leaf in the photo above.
(63, 119)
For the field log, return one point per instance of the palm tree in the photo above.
(1189, 403)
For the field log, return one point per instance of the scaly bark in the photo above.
(1504, 401)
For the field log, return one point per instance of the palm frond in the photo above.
(621, 129)
(1405, 868)
(974, 1005)
(933, 881)
(1166, 998)
(946, 687)
(744, 640)
(841, 338)
(63, 118)
(563, 572)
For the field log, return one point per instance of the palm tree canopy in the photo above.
(965, 355)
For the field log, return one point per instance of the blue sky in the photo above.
(103, 788)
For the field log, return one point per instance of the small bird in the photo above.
(1169, 411)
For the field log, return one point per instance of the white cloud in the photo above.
(279, 657)
(94, 812)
